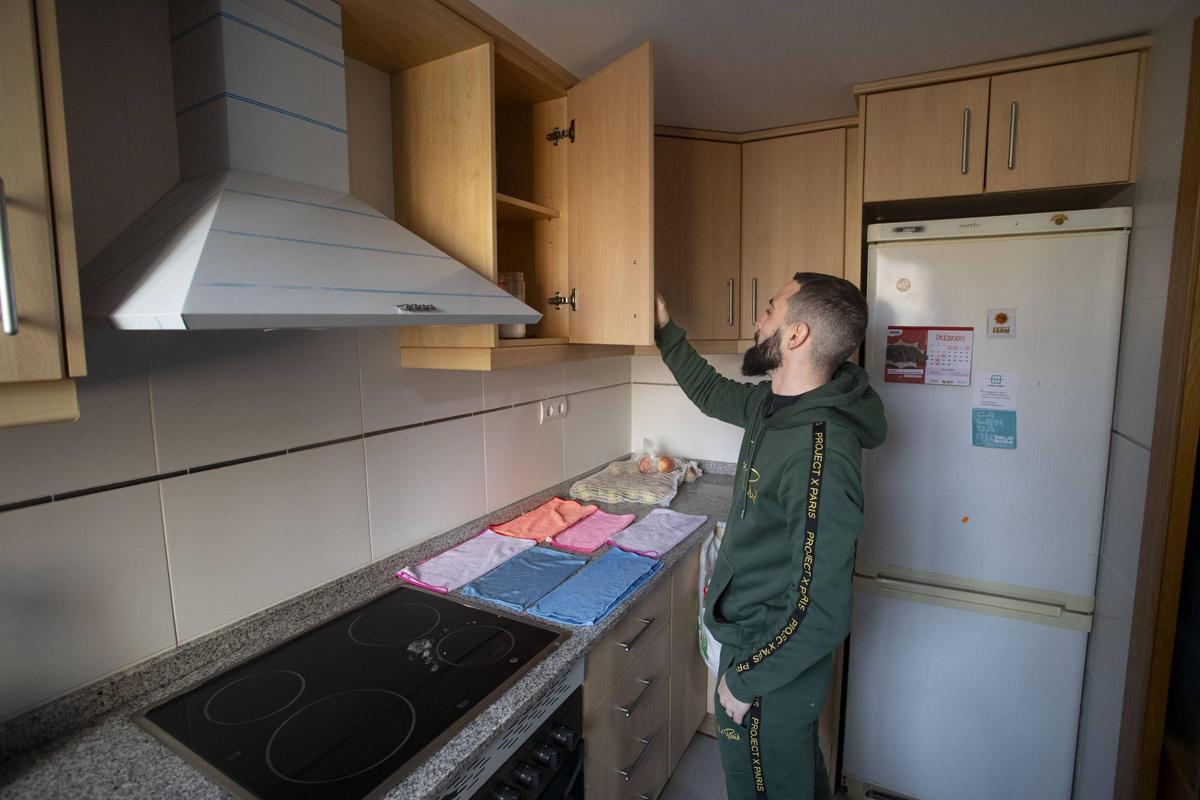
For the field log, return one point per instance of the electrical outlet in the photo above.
(552, 408)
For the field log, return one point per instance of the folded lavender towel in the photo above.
(466, 562)
(657, 532)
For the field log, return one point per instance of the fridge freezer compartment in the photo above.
(943, 703)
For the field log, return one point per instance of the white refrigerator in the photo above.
(993, 343)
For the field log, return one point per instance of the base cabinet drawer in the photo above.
(617, 715)
(638, 767)
(620, 648)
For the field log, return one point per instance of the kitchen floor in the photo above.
(699, 776)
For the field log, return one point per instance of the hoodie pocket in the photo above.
(717, 586)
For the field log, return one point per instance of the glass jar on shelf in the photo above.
(514, 284)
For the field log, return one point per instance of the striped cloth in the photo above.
(623, 482)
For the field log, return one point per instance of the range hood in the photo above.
(263, 232)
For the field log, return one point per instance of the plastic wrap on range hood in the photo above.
(263, 232)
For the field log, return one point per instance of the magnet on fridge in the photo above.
(1002, 323)
(996, 428)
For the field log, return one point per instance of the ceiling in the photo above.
(736, 66)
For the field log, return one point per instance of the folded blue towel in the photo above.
(521, 581)
(590, 594)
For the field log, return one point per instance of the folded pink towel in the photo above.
(657, 532)
(592, 531)
(460, 565)
(553, 516)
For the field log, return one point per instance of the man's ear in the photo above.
(798, 334)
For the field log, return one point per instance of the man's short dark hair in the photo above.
(836, 313)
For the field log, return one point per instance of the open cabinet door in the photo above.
(610, 201)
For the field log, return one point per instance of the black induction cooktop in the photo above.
(348, 708)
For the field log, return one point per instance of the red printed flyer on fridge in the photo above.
(938, 356)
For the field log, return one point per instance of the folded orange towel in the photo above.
(548, 519)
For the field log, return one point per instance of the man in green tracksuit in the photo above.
(779, 597)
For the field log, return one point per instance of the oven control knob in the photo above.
(505, 792)
(527, 775)
(562, 736)
(546, 755)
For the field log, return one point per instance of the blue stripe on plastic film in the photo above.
(307, 203)
(315, 13)
(260, 104)
(260, 29)
(238, 285)
(330, 244)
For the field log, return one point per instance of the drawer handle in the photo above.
(627, 773)
(1012, 135)
(8, 300)
(627, 646)
(966, 138)
(629, 709)
(729, 311)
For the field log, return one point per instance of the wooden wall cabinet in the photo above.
(697, 239)
(38, 362)
(927, 141)
(1054, 120)
(1065, 125)
(477, 176)
(793, 214)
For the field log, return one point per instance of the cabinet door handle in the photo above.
(754, 299)
(1012, 135)
(729, 313)
(627, 773)
(8, 300)
(637, 701)
(966, 137)
(627, 646)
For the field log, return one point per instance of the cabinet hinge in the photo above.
(558, 134)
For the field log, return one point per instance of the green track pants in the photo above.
(772, 754)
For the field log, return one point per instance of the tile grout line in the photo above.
(17, 505)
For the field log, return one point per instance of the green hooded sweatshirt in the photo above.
(779, 597)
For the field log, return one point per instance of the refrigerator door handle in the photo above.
(972, 598)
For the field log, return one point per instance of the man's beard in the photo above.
(765, 356)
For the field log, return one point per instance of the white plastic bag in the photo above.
(650, 461)
(710, 648)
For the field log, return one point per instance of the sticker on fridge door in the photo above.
(995, 390)
(929, 355)
(1002, 323)
(993, 427)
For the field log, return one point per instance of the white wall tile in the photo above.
(1167, 78)
(664, 414)
(651, 369)
(393, 396)
(1104, 686)
(522, 456)
(1128, 470)
(111, 441)
(593, 373)
(1153, 226)
(243, 538)
(424, 481)
(369, 122)
(377, 191)
(220, 395)
(506, 387)
(596, 428)
(85, 592)
(1137, 368)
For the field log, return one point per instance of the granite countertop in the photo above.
(86, 745)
